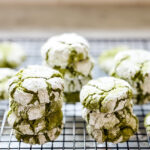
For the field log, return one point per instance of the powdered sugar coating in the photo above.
(133, 66)
(36, 71)
(36, 96)
(107, 109)
(68, 53)
(111, 127)
(106, 58)
(107, 94)
(34, 80)
(58, 50)
(39, 138)
(5, 75)
(11, 54)
(74, 83)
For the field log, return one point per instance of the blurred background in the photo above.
(89, 17)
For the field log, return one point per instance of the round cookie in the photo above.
(64, 50)
(107, 94)
(106, 59)
(11, 55)
(50, 135)
(133, 66)
(114, 135)
(36, 96)
(5, 75)
(111, 127)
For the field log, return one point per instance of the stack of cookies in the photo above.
(36, 96)
(69, 53)
(107, 109)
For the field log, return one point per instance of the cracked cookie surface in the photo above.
(133, 66)
(69, 54)
(36, 96)
(107, 109)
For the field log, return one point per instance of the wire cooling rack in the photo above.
(74, 135)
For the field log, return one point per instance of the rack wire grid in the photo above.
(74, 135)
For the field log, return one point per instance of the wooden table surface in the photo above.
(76, 2)
(74, 14)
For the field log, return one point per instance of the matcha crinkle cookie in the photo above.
(147, 123)
(106, 59)
(36, 96)
(107, 110)
(5, 75)
(11, 55)
(134, 67)
(69, 53)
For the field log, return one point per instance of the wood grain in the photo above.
(47, 15)
(76, 2)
